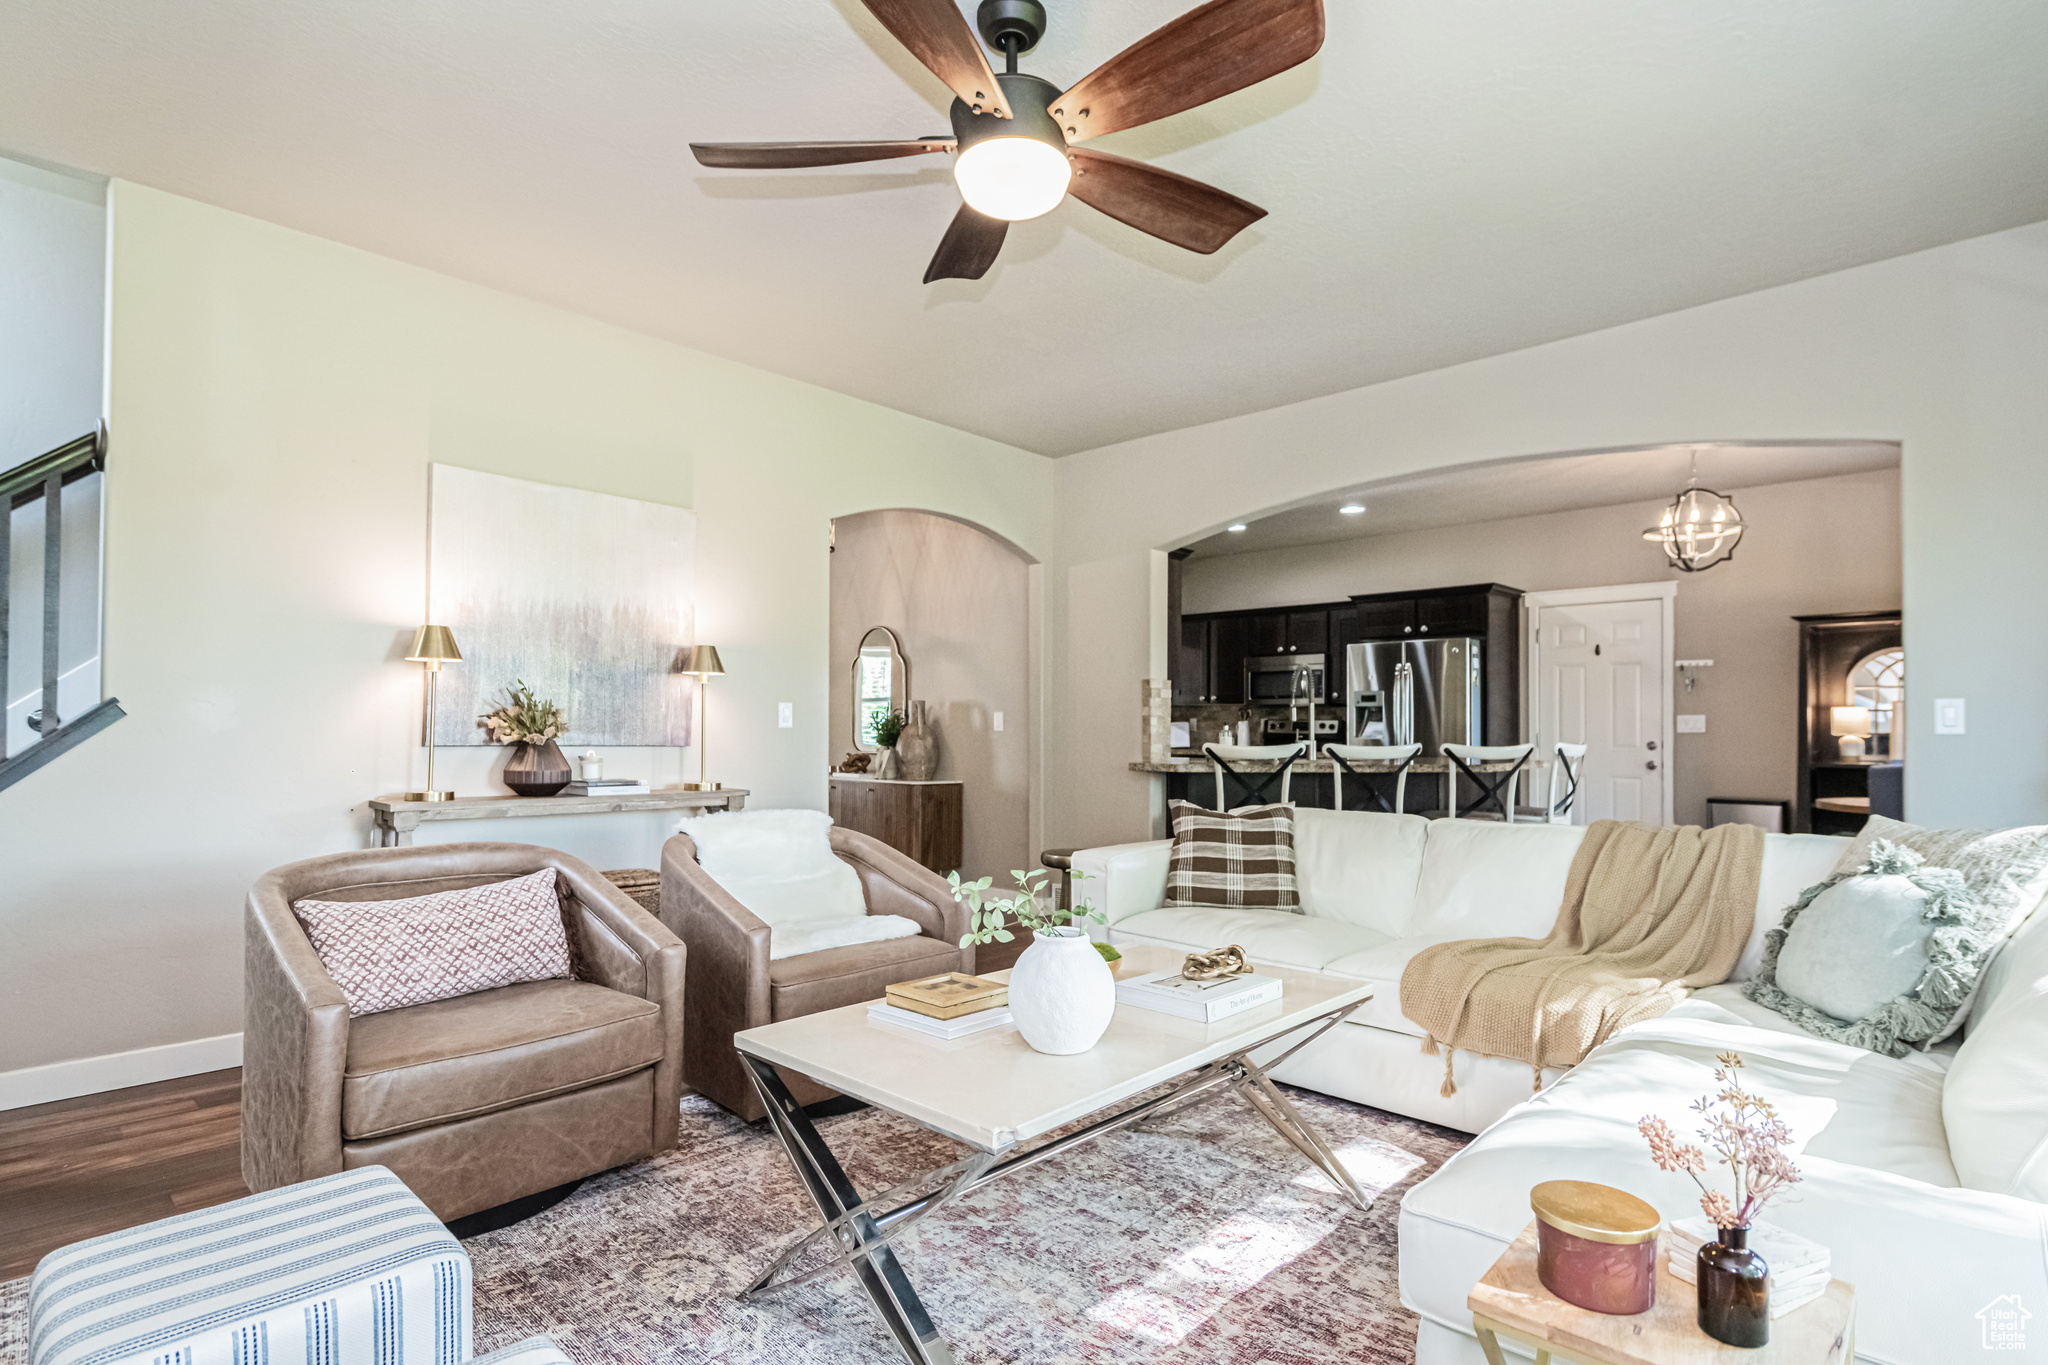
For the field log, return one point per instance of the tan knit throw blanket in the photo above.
(1648, 915)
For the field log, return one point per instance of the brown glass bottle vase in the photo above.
(1735, 1291)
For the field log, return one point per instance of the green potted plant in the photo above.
(886, 729)
(1061, 991)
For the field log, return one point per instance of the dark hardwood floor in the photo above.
(99, 1163)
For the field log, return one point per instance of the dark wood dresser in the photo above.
(921, 819)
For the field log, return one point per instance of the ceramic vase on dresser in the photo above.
(537, 769)
(1735, 1291)
(918, 747)
(1062, 993)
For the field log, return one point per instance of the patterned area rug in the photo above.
(1204, 1238)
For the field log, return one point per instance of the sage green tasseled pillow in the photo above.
(1879, 958)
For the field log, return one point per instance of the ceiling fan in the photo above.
(1015, 134)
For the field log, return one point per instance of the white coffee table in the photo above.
(991, 1092)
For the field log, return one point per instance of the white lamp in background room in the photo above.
(432, 646)
(1849, 724)
(701, 662)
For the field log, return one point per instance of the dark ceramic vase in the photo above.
(537, 769)
(1735, 1291)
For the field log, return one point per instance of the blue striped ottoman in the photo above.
(350, 1269)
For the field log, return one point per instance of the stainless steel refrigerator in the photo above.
(1423, 692)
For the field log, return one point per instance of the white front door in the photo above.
(1600, 682)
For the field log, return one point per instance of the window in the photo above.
(1878, 681)
(877, 688)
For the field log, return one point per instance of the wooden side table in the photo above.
(921, 819)
(1511, 1302)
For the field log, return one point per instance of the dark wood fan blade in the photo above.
(1205, 54)
(969, 247)
(770, 156)
(937, 35)
(1171, 207)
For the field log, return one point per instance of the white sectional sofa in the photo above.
(1880, 1150)
(1376, 890)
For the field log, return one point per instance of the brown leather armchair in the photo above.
(733, 986)
(472, 1101)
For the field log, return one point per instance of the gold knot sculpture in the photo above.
(1214, 963)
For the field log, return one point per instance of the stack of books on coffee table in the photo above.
(1205, 1001)
(951, 1005)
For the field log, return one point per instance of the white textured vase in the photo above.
(1062, 993)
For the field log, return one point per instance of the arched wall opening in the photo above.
(962, 600)
(1823, 536)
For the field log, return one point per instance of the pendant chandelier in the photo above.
(1700, 528)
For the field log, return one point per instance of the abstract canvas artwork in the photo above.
(584, 596)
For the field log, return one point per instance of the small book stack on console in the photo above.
(951, 1005)
(606, 786)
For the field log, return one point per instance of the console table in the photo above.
(396, 819)
(921, 819)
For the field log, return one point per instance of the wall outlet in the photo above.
(785, 714)
(998, 720)
(1691, 725)
(1948, 716)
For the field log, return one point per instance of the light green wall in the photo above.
(276, 400)
(1944, 351)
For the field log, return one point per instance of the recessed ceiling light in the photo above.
(1352, 509)
(1236, 526)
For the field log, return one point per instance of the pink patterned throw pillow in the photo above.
(386, 955)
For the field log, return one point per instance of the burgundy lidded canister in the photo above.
(1596, 1246)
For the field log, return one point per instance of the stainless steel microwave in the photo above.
(1283, 679)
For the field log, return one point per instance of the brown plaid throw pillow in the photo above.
(1243, 859)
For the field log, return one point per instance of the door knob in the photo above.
(1407, 630)
(1652, 744)
(1651, 765)
(1425, 630)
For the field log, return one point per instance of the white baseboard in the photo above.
(118, 1071)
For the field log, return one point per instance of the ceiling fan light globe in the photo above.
(1013, 178)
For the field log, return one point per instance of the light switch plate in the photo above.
(998, 720)
(1691, 725)
(785, 714)
(1948, 716)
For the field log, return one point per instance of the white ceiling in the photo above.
(1531, 487)
(1449, 179)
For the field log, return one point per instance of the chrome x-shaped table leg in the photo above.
(862, 1230)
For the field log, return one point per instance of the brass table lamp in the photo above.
(432, 646)
(701, 662)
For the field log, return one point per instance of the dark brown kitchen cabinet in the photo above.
(1268, 634)
(1385, 618)
(1308, 632)
(1460, 614)
(1230, 640)
(1191, 661)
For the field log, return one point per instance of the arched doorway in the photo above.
(957, 599)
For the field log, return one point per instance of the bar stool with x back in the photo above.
(1342, 756)
(1258, 787)
(1496, 788)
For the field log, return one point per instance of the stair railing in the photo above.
(45, 477)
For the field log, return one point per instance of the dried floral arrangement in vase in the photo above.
(532, 724)
(1746, 1135)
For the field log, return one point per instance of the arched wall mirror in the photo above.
(881, 683)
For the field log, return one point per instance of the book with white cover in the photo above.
(1205, 1001)
(609, 786)
(960, 1027)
